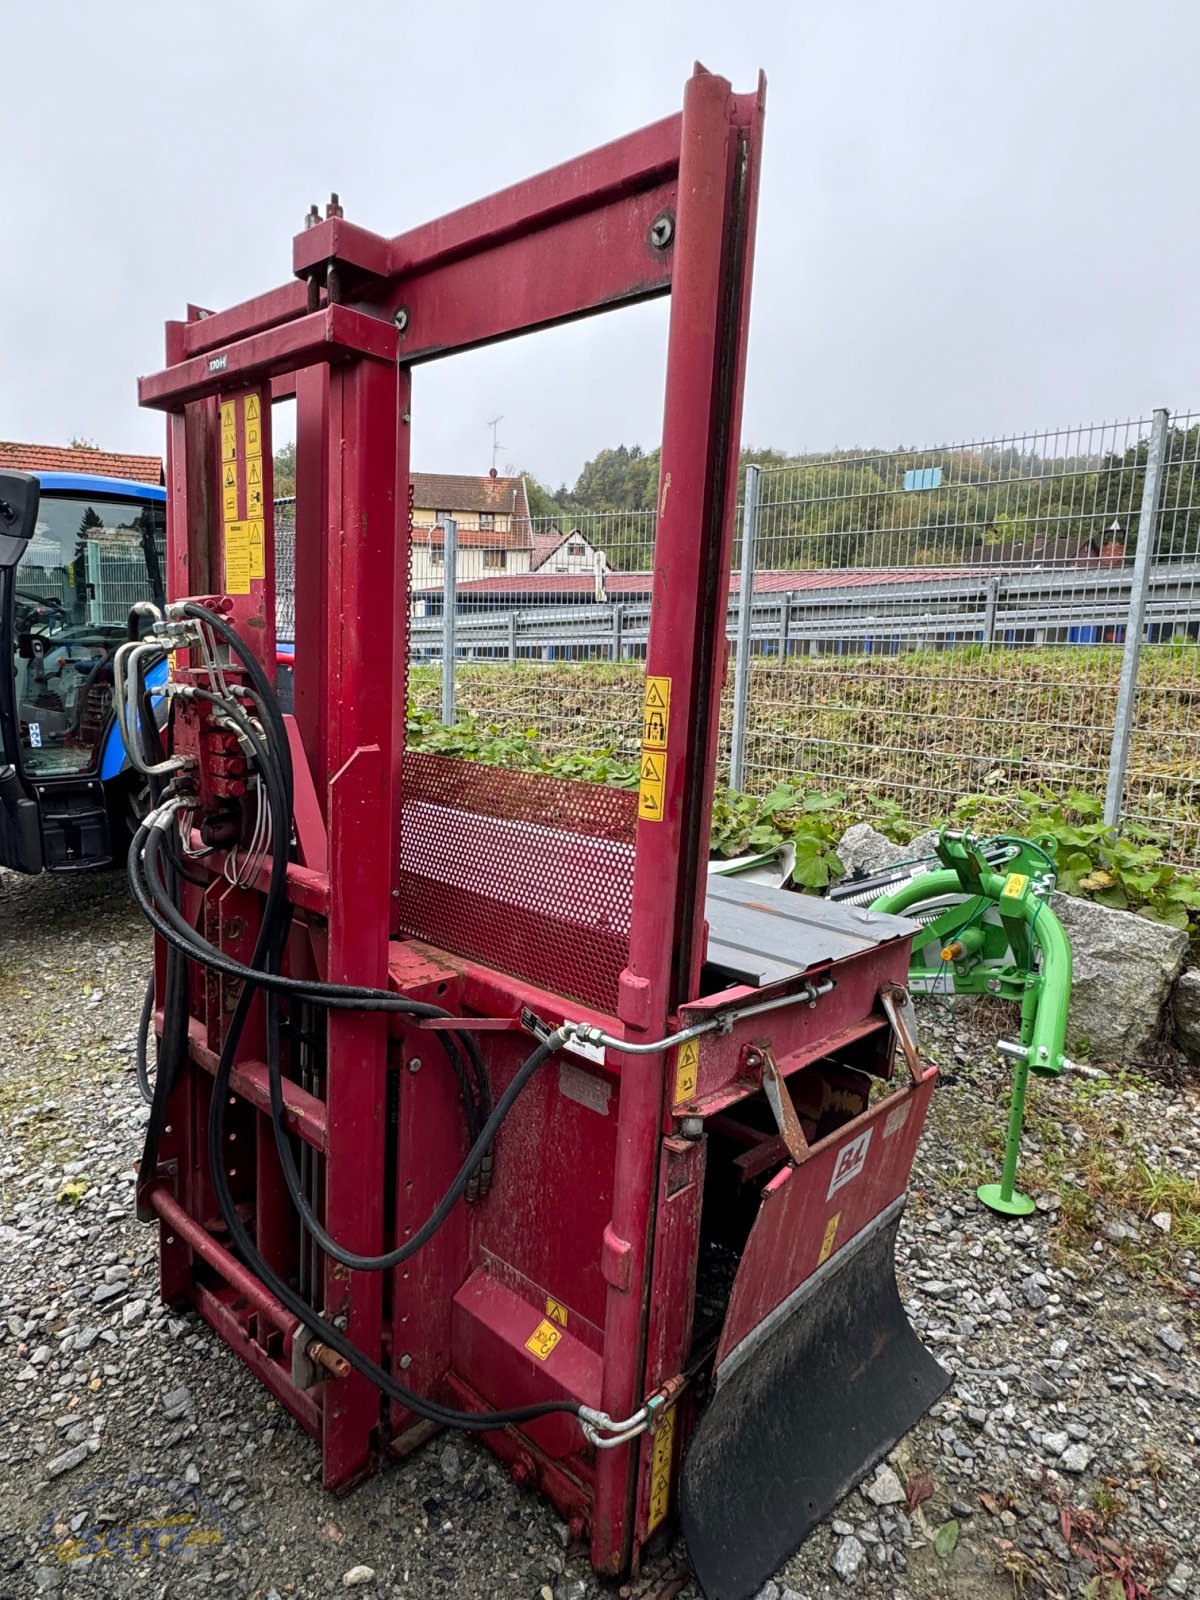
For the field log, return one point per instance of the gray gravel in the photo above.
(137, 1457)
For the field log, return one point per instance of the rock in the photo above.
(1162, 1221)
(451, 1464)
(1055, 1443)
(1185, 1013)
(1173, 1339)
(863, 850)
(1181, 1576)
(177, 1404)
(132, 1313)
(1075, 1458)
(849, 1559)
(65, 1462)
(887, 1490)
(769, 1591)
(358, 1576)
(1124, 968)
(1035, 1295)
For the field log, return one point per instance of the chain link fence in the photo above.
(922, 624)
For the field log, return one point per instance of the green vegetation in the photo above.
(849, 508)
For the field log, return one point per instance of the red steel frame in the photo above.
(597, 1218)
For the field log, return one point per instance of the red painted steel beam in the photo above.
(719, 143)
(238, 1277)
(334, 333)
(303, 1112)
(594, 182)
(602, 258)
(302, 1405)
(262, 311)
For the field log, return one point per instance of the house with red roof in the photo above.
(495, 537)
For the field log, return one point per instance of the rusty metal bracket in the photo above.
(780, 1101)
(901, 1013)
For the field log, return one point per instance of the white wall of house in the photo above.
(474, 560)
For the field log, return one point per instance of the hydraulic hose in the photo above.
(155, 901)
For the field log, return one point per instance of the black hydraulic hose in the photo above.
(166, 919)
(268, 952)
(265, 701)
(143, 1042)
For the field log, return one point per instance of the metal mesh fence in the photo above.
(929, 622)
(923, 624)
(550, 628)
(1162, 779)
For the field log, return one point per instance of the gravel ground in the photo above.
(137, 1456)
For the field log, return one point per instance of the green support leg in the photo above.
(1004, 1197)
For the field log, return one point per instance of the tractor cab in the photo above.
(91, 549)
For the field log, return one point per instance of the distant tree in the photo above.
(543, 503)
(285, 469)
(624, 479)
(80, 443)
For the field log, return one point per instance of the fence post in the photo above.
(989, 615)
(618, 631)
(449, 616)
(512, 636)
(741, 666)
(1135, 620)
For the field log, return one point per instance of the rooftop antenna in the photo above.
(494, 425)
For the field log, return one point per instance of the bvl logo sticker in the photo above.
(852, 1158)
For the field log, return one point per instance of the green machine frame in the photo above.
(992, 932)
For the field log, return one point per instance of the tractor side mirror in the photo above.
(19, 496)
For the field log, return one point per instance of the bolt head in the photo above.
(414, 1064)
(662, 230)
(401, 319)
(405, 1361)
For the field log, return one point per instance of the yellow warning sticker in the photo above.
(686, 1063)
(556, 1311)
(543, 1339)
(1015, 885)
(253, 439)
(651, 787)
(237, 558)
(229, 444)
(830, 1236)
(254, 471)
(251, 408)
(229, 505)
(226, 414)
(254, 499)
(660, 1470)
(656, 714)
(258, 554)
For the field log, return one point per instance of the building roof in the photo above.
(547, 541)
(461, 492)
(69, 458)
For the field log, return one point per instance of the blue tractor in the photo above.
(77, 551)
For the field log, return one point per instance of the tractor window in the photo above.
(90, 559)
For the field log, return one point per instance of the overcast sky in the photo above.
(976, 216)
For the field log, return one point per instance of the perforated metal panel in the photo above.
(527, 873)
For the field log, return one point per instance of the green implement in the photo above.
(987, 929)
